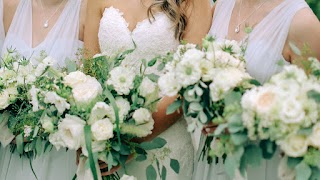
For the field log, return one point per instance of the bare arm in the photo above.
(304, 29)
(9, 9)
(93, 16)
(199, 21)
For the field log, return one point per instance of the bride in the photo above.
(273, 25)
(156, 27)
(32, 26)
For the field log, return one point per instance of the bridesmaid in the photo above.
(56, 27)
(274, 24)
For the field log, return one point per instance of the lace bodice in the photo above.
(151, 38)
(266, 42)
(62, 41)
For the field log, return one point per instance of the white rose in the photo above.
(71, 130)
(60, 103)
(295, 145)
(47, 124)
(142, 116)
(126, 177)
(102, 130)
(147, 87)
(284, 172)
(266, 99)
(121, 79)
(315, 136)
(56, 140)
(34, 98)
(291, 111)
(75, 78)
(169, 85)
(85, 93)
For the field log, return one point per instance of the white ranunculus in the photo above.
(121, 79)
(34, 98)
(4, 99)
(284, 172)
(223, 60)
(295, 145)
(47, 124)
(75, 78)
(99, 111)
(102, 130)
(291, 111)
(71, 130)
(207, 70)
(60, 103)
(87, 92)
(188, 71)
(6, 136)
(126, 177)
(315, 136)
(169, 85)
(267, 98)
(142, 116)
(147, 87)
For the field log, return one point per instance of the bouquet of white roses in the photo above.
(32, 99)
(110, 106)
(206, 81)
(286, 112)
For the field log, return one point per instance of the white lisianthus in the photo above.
(99, 111)
(224, 59)
(315, 136)
(126, 177)
(182, 49)
(87, 92)
(27, 131)
(292, 111)
(34, 98)
(60, 103)
(188, 71)
(121, 79)
(4, 99)
(56, 140)
(295, 145)
(147, 87)
(102, 130)
(169, 85)
(284, 172)
(232, 47)
(206, 70)
(71, 130)
(142, 116)
(75, 78)
(47, 124)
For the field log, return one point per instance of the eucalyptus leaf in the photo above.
(203, 117)
(39, 146)
(35, 131)
(231, 166)
(174, 107)
(156, 143)
(20, 143)
(153, 61)
(253, 155)
(151, 173)
(239, 138)
(315, 174)
(232, 97)
(161, 66)
(220, 129)
(153, 77)
(175, 165)
(268, 148)
(164, 173)
(141, 157)
(293, 162)
(303, 171)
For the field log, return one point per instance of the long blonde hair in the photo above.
(176, 11)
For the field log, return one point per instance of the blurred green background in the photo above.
(315, 6)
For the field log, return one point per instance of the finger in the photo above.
(103, 165)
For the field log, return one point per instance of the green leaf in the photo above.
(156, 143)
(235, 123)
(203, 117)
(253, 155)
(315, 174)
(175, 165)
(110, 161)
(35, 131)
(71, 65)
(303, 171)
(153, 77)
(232, 97)
(314, 95)
(268, 148)
(164, 173)
(174, 107)
(92, 161)
(141, 157)
(151, 173)
(220, 129)
(305, 131)
(125, 150)
(153, 61)
(116, 112)
(161, 66)
(254, 82)
(39, 146)
(293, 162)
(239, 138)
(230, 166)
(20, 143)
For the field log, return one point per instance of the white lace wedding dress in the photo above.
(151, 39)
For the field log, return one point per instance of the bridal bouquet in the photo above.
(286, 112)
(32, 99)
(207, 81)
(110, 107)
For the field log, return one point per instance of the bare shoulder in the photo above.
(10, 3)
(9, 9)
(96, 5)
(305, 29)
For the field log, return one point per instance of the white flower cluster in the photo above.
(282, 108)
(221, 66)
